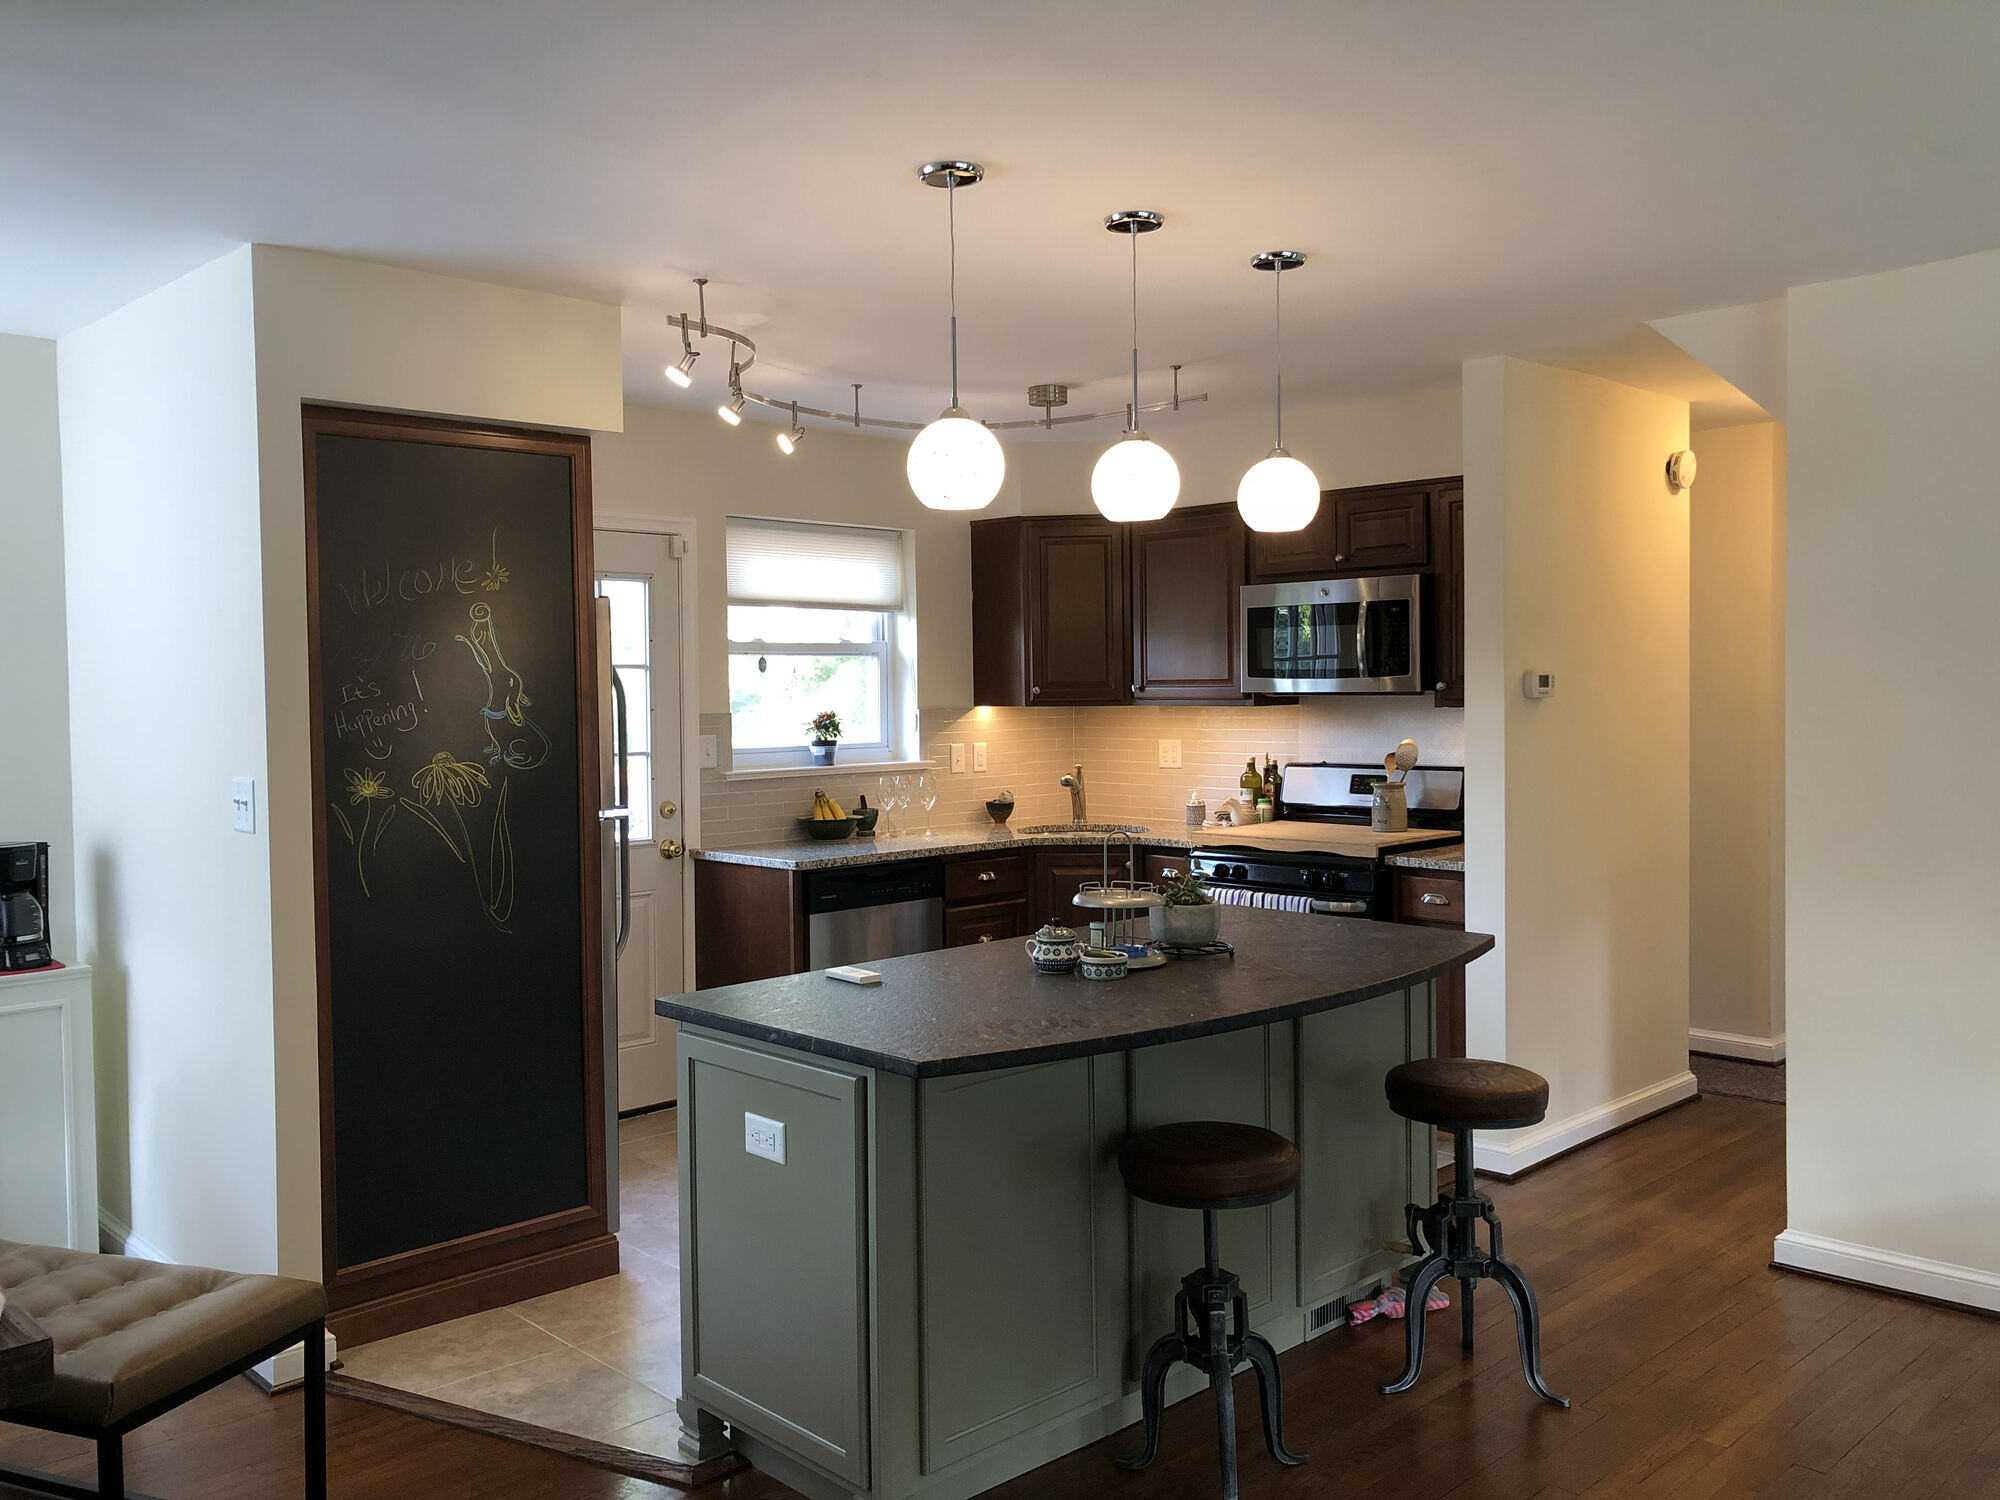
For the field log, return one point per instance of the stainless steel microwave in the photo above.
(1333, 635)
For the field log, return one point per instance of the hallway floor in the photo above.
(599, 1361)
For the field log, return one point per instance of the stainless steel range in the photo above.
(1319, 852)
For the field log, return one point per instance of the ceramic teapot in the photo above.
(1055, 949)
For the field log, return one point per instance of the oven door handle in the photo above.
(1339, 908)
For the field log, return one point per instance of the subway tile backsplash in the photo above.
(1027, 749)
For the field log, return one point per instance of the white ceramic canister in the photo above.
(1389, 812)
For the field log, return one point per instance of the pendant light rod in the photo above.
(1278, 262)
(1134, 222)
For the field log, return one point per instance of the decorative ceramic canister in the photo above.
(1055, 949)
(1105, 963)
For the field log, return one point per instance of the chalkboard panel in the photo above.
(458, 947)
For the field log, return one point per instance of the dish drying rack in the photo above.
(1122, 901)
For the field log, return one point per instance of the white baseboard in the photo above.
(115, 1237)
(286, 1370)
(1763, 1049)
(1889, 1269)
(1530, 1148)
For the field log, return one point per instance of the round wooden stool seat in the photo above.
(1208, 1164)
(1467, 1093)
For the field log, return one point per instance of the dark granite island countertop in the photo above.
(984, 1006)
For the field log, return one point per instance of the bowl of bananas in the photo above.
(828, 819)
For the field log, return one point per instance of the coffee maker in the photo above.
(24, 907)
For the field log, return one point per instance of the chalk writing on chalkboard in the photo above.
(507, 699)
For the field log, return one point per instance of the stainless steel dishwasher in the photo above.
(868, 912)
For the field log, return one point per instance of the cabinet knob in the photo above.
(985, 937)
(1440, 687)
(1034, 692)
(986, 875)
(1340, 557)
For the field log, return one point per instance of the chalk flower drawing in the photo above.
(458, 781)
(452, 785)
(495, 574)
(364, 789)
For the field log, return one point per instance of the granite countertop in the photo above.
(984, 1006)
(1450, 857)
(820, 854)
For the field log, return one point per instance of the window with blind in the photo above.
(812, 628)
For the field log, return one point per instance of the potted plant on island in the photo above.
(1192, 916)
(824, 727)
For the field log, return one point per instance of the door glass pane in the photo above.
(631, 649)
(629, 632)
(638, 708)
(639, 776)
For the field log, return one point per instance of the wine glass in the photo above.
(885, 805)
(927, 798)
(897, 802)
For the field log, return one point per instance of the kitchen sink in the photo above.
(1098, 828)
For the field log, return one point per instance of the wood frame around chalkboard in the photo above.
(436, 1282)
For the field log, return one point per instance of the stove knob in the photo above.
(1242, 872)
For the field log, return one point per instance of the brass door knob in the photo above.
(672, 848)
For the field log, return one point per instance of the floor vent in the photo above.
(1324, 1317)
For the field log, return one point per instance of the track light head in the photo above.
(790, 438)
(731, 411)
(682, 374)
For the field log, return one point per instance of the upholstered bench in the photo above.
(134, 1339)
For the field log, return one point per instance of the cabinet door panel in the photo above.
(1186, 571)
(1306, 553)
(1451, 597)
(1059, 875)
(966, 925)
(1077, 617)
(986, 879)
(1382, 528)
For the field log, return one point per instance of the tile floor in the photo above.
(601, 1360)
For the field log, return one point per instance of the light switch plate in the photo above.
(958, 760)
(1170, 753)
(708, 752)
(243, 804)
(764, 1137)
(978, 755)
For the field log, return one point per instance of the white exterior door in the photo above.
(640, 574)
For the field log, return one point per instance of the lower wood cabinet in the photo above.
(1436, 898)
(1059, 875)
(985, 924)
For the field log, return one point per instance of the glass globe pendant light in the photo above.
(955, 463)
(1278, 493)
(1135, 478)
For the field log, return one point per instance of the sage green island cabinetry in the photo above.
(908, 1265)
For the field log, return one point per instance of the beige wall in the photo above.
(34, 792)
(1577, 826)
(1736, 959)
(1892, 807)
(165, 590)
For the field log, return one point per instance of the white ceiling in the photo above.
(1469, 178)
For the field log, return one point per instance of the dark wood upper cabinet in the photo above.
(1050, 615)
(1450, 595)
(1380, 528)
(1186, 571)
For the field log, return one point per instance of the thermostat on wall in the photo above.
(1538, 684)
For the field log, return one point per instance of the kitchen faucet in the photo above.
(1074, 785)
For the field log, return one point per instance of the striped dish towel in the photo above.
(1266, 900)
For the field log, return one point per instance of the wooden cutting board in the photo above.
(1324, 838)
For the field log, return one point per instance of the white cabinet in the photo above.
(48, 1109)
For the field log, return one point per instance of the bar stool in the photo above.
(1463, 1094)
(1211, 1165)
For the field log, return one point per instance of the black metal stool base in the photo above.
(1449, 1232)
(1212, 1333)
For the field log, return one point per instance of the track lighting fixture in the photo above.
(792, 436)
(682, 374)
(1278, 493)
(955, 463)
(731, 411)
(1135, 478)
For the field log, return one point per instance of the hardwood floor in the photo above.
(1698, 1373)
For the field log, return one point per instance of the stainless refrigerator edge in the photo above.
(614, 875)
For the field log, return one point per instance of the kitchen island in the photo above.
(908, 1265)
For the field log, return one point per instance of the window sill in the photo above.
(779, 773)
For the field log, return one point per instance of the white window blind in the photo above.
(803, 563)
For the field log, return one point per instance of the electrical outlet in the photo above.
(958, 760)
(978, 755)
(1170, 753)
(243, 804)
(764, 1137)
(708, 752)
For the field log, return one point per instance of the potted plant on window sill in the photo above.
(824, 727)
(1191, 918)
